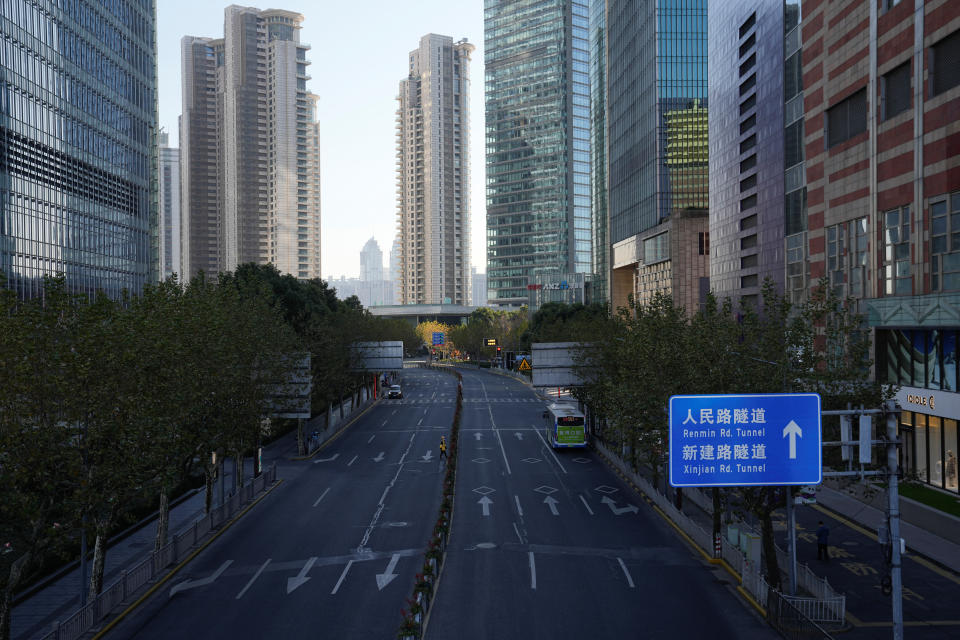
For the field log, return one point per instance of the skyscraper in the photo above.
(250, 147)
(371, 262)
(538, 144)
(169, 192)
(78, 132)
(657, 150)
(433, 173)
(598, 150)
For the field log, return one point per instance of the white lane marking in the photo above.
(342, 576)
(330, 459)
(495, 431)
(549, 450)
(255, 576)
(519, 508)
(625, 572)
(519, 537)
(584, 501)
(379, 458)
(393, 413)
(420, 423)
(352, 461)
(190, 584)
(383, 497)
(322, 495)
(533, 572)
(372, 437)
(383, 425)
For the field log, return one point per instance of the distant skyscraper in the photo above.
(371, 262)
(479, 298)
(169, 192)
(657, 150)
(538, 144)
(395, 260)
(250, 147)
(78, 134)
(433, 173)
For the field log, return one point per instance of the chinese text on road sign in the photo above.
(742, 440)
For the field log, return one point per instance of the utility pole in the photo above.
(892, 418)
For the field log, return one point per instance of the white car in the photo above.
(394, 391)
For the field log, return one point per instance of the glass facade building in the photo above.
(538, 144)
(78, 132)
(598, 149)
(657, 148)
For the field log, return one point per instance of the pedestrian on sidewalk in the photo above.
(823, 535)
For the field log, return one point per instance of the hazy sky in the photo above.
(359, 55)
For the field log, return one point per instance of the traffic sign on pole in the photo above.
(745, 440)
(437, 337)
(491, 342)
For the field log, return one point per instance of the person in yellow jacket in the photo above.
(443, 447)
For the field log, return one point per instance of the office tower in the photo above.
(598, 150)
(395, 260)
(250, 147)
(757, 178)
(538, 145)
(433, 173)
(882, 98)
(169, 205)
(657, 150)
(78, 132)
(479, 298)
(371, 262)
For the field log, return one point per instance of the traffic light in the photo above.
(498, 350)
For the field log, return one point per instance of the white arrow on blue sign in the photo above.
(745, 440)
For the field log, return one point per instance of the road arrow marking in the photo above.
(618, 511)
(519, 435)
(385, 578)
(379, 458)
(255, 576)
(478, 435)
(293, 583)
(428, 456)
(551, 502)
(793, 430)
(330, 459)
(190, 584)
(485, 502)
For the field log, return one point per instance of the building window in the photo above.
(796, 266)
(946, 64)
(896, 252)
(847, 119)
(656, 249)
(945, 243)
(896, 91)
(847, 257)
(749, 22)
(703, 241)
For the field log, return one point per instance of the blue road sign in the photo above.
(745, 440)
(437, 337)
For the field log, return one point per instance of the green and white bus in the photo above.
(564, 426)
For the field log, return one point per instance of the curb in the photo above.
(123, 614)
(336, 434)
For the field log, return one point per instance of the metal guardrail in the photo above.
(153, 566)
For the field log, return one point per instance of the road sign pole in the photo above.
(792, 537)
(896, 581)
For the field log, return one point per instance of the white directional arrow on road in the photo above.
(301, 578)
(379, 458)
(330, 459)
(428, 456)
(190, 584)
(617, 511)
(485, 502)
(793, 430)
(478, 435)
(551, 502)
(385, 578)
(519, 435)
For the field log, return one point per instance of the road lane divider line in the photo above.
(321, 496)
(517, 531)
(139, 601)
(493, 425)
(519, 508)
(584, 501)
(253, 579)
(550, 450)
(626, 572)
(373, 436)
(342, 576)
(353, 460)
(380, 505)
(533, 572)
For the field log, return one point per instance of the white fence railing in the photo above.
(151, 567)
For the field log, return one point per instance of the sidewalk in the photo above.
(37, 613)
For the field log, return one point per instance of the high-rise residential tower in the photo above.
(538, 145)
(433, 174)
(78, 136)
(657, 150)
(169, 206)
(250, 147)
